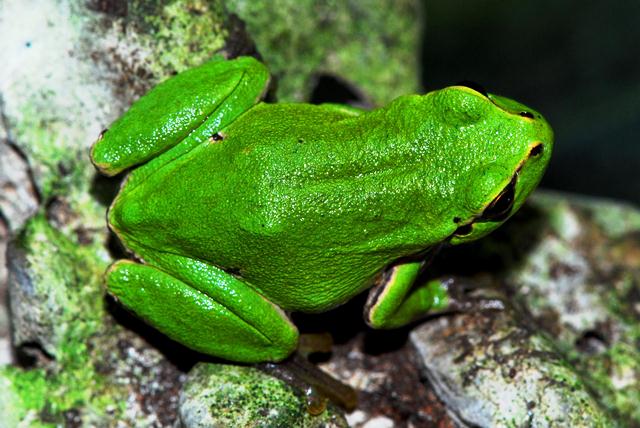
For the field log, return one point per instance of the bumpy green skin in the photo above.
(245, 209)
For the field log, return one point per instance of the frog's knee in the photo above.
(119, 276)
(125, 215)
(285, 345)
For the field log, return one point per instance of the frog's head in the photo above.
(506, 148)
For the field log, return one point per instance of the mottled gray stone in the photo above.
(221, 395)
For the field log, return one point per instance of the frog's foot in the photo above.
(400, 297)
(206, 309)
(317, 385)
(396, 300)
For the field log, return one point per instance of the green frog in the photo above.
(239, 212)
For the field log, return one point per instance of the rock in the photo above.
(568, 268)
(564, 349)
(18, 199)
(74, 67)
(44, 269)
(580, 282)
(5, 346)
(384, 371)
(492, 372)
(221, 395)
(78, 367)
(359, 52)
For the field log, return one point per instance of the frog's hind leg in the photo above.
(208, 310)
(197, 103)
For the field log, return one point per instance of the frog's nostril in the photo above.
(218, 136)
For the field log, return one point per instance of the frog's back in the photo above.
(283, 163)
(291, 198)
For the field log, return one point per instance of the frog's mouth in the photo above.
(501, 206)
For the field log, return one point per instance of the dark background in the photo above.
(578, 63)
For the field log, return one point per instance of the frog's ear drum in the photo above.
(462, 106)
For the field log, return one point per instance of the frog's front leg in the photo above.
(206, 309)
(396, 302)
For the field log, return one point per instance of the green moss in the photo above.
(607, 273)
(184, 33)
(613, 376)
(367, 43)
(615, 219)
(371, 44)
(29, 386)
(241, 396)
(66, 280)
(52, 149)
(256, 393)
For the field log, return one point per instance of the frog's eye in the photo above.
(526, 114)
(473, 85)
(536, 150)
(500, 207)
(464, 230)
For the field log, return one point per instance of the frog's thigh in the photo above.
(252, 330)
(398, 301)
